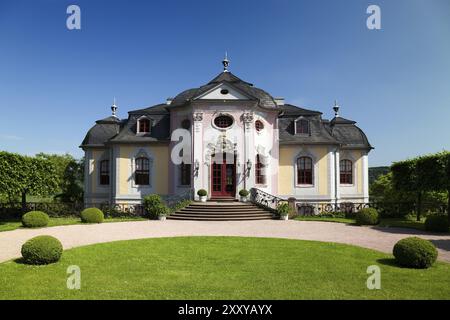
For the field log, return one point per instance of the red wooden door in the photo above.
(223, 177)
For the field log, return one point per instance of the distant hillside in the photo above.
(375, 172)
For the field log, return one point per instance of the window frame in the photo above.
(260, 174)
(301, 179)
(298, 126)
(143, 173)
(104, 173)
(259, 126)
(347, 174)
(185, 174)
(140, 122)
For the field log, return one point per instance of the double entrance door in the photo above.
(223, 175)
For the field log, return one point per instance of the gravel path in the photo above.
(382, 239)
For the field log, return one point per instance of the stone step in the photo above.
(223, 210)
(219, 212)
(217, 216)
(194, 218)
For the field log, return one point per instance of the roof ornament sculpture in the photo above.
(336, 109)
(114, 108)
(225, 62)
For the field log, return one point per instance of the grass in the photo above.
(13, 224)
(222, 268)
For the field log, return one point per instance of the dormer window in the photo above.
(302, 126)
(143, 125)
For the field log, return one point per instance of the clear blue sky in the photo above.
(54, 83)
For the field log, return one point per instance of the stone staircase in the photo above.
(221, 211)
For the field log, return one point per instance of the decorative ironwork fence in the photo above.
(311, 208)
(265, 200)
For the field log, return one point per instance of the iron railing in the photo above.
(265, 200)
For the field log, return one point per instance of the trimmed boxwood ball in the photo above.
(437, 223)
(414, 252)
(243, 193)
(202, 193)
(92, 215)
(42, 250)
(35, 219)
(367, 216)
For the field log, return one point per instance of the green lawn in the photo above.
(9, 225)
(222, 268)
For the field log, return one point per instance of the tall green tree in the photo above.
(22, 175)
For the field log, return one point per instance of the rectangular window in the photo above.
(104, 172)
(260, 174)
(185, 170)
(142, 173)
(304, 171)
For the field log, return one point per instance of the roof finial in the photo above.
(336, 109)
(114, 108)
(225, 62)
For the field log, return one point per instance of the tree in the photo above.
(22, 175)
(404, 178)
(70, 176)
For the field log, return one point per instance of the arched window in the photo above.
(346, 169)
(104, 172)
(260, 172)
(304, 170)
(302, 126)
(185, 174)
(142, 172)
(144, 126)
(259, 125)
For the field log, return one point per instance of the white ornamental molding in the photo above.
(248, 119)
(198, 116)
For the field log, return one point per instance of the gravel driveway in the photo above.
(382, 239)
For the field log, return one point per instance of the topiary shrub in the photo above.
(437, 223)
(154, 205)
(414, 252)
(42, 250)
(202, 193)
(367, 216)
(35, 219)
(243, 193)
(92, 215)
(284, 209)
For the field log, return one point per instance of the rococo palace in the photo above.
(224, 136)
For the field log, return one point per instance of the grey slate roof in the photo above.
(101, 132)
(264, 99)
(338, 131)
(160, 126)
(350, 135)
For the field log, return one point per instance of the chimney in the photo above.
(279, 101)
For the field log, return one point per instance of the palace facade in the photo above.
(224, 136)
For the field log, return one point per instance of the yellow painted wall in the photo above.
(159, 172)
(286, 172)
(357, 155)
(95, 161)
